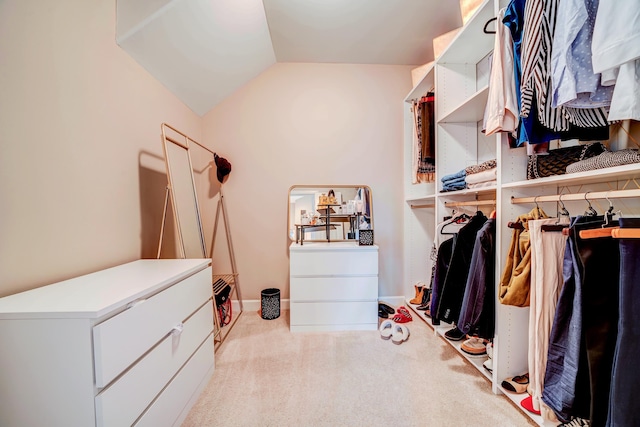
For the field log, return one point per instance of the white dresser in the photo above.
(130, 345)
(333, 286)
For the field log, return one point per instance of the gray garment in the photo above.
(607, 159)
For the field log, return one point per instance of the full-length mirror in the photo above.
(183, 195)
(328, 212)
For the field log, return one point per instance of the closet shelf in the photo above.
(468, 191)
(416, 202)
(471, 44)
(589, 177)
(471, 110)
(440, 330)
(423, 86)
(516, 398)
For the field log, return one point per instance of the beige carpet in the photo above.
(268, 376)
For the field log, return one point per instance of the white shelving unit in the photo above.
(461, 95)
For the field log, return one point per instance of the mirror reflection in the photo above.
(329, 213)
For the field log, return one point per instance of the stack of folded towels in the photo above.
(482, 175)
(455, 181)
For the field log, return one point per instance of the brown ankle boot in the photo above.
(419, 293)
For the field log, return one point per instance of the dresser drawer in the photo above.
(122, 339)
(123, 401)
(169, 408)
(335, 313)
(364, 288)
(333, 263)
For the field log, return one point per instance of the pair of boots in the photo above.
(422, 298)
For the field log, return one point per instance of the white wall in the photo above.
(309, 124)
(81, 173)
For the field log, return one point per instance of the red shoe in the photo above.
(401, 318)
(403, 310)
(527, 404)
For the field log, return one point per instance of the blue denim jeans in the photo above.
(565, 392)
(625, 382)
(577, 383)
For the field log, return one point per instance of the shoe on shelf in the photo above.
(490, 350)
(400, 334)
(420, 287)
(386, 329)
(527, 403)
(454, 334)
(474, 346)
(517, 384)
(488, 365)
(576, 422)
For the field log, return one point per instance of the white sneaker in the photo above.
(400, 334)
(386, 329)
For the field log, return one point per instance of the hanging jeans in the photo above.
(625, 382)
(582, 343)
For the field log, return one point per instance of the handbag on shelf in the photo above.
(556, 162)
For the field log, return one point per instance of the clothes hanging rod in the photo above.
(471, 203)
(422, 206)
(593, 195)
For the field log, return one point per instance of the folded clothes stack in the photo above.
(455, 181)
(608, 159)
(485, 178)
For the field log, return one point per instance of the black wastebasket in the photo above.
(270, 303)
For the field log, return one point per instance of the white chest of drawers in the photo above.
(130, 345)
(333, 286)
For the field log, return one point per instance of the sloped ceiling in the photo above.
(204, 50)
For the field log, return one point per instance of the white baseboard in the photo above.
(254, 304)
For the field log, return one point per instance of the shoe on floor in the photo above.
(474, 346)
(454, 334)
(400, 334)
(386, 308)
(517, 384)
(386, 329)
(527, 403)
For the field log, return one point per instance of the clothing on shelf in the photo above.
(489, 164)
(454, 181)
(484, 184)
(486, 175)
(605, 160)
(424, 135)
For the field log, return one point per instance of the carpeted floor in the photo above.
(267, 376)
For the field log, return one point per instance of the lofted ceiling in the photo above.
(204, 50)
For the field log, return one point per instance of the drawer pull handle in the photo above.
(135, 303)
(177, 330)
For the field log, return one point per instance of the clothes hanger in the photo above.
(486, 25)
(516, 225)
(590, 210)
(607, 228)
(458, 218)
(558, 226)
